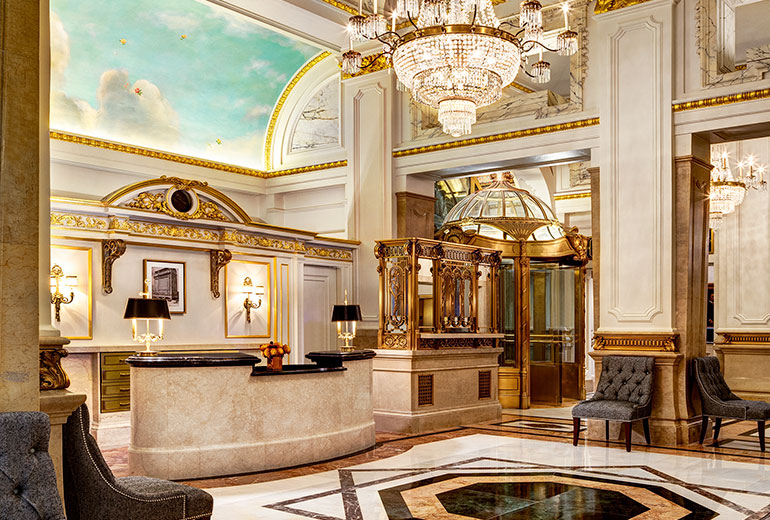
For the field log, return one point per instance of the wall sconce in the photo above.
(349, 315)
(248, 290)
(146, 308)
(57, 298)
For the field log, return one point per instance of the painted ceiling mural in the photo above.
(182, 76)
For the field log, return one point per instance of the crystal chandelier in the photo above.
(725, 191)
(457, 56)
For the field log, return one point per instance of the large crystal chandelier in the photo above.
(725, 191)
(457, 56)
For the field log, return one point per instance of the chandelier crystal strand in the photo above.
(456, 116)
(432, 12)
(351, 62)
(531, 14)
(715, 220)
(567, 43)
(357, 24)
(407, 9)
(541, 70)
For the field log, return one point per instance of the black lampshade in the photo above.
(147, 308)
(346, 313)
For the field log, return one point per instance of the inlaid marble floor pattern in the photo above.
(493, 477)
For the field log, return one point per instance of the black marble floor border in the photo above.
(348, 488)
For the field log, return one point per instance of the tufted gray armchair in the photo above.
(624, 394)
(92, 492)
(27, 476)
(718, 401)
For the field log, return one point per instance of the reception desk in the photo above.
(206, 415)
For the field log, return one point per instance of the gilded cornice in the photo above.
(605, 6)
(281, 101)
(631, 341)
(504, 136)
(183, 159)
(568, 196)
(112, 224)
(370, 63)
(744, 338)
(751, 95)
(342, 6)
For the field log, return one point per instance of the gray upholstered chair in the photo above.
(624, 394)
(92, 492)
(718, 401)
(27, 476)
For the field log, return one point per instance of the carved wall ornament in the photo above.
(112, 249)
(744, 338)
(630, 341)
(52, 375)
(218, 259)
(179, 201)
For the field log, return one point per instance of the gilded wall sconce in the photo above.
(58, 282)
(248, 289)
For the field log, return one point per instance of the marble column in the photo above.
(369, 101)
(414, 215)
(651, 216)
(19, 205)
(742, 301)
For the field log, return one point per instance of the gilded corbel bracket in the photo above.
(630, 341)
(111, 250)
(219, 259)
(52, 375)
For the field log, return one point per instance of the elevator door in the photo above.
(553, 356)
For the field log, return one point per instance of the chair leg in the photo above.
(761, 433)
(703, 427)
(627, 428)
(606, 430)
(717, 425)
(575, 430)
(646, 424)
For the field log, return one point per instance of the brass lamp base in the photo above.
(146, 353)
(347, 348)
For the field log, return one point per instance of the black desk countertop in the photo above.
(206, 359)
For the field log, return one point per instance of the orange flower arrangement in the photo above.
(274, 353)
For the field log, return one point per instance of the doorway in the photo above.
(320, 295)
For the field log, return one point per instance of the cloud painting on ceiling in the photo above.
(181, 76)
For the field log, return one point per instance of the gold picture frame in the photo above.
(164, 276)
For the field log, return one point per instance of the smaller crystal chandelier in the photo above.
(725, 191)
(458, 56)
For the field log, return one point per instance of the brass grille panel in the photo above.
(425, 390)
(485, 384)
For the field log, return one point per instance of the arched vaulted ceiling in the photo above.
(182, 76)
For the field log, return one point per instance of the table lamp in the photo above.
(146, 308)
(349, 315)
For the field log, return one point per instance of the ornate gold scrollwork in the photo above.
(111, 250)
(744, 338)
(219, 259)
(52, 375)
(581, 244)
(159, 202)
(630, 341)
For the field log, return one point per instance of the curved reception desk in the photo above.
(206, 415)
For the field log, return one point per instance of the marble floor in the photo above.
(521, 467)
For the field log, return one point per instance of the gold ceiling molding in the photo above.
(306, 169)
(342, 6)
(282, 100)
(515, 134)
(630, 341)
(369, 63)
(729, 99)
(184, 159)
(745, 338)
(605, 6)
(585, 195)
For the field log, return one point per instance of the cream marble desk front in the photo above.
(204, 421)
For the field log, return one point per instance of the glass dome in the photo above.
(503, 211)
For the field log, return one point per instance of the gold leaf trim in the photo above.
(281, 101)
(605, 6)
(183, 159)
(369, 64)
(744, 338)
(647, 342)
(330, 253)
(515, 134)
(586, 195)
(717, 101)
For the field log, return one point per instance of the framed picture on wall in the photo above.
(167, 281)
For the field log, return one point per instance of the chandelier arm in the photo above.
(535, 42)
(409, 17)
(380, 55)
